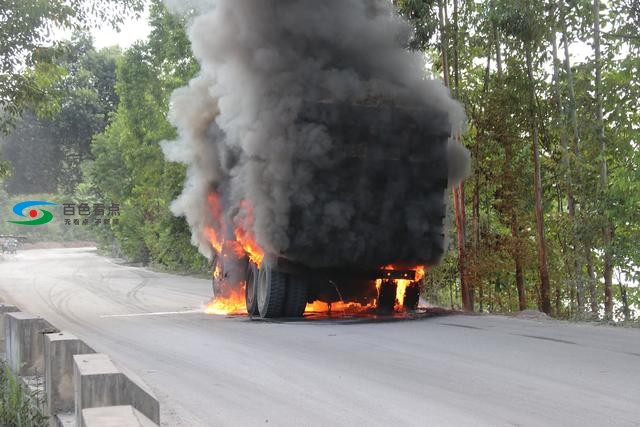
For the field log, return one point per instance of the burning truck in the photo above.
(318, 156)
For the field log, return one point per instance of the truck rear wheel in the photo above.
(296, 299)
(387, 296)
(272, 288)
(251, 290)
(411, 297)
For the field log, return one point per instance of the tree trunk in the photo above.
(461, 189)
(451, 294)
(566, 163)
(593, 294)
(573, 114)
(514, 225)
(458, 202)
(604, 174)
(625, 302)
(545, 298)
(476, 188)
(443, 46)
(515, 233)
(456, 60)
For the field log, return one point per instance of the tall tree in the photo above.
(510, 192)
(524, 22)
(26, 44)
(566, 165)
(458, 191)
(604, 173)
(129, 166)
(86, 97)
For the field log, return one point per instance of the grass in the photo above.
(18, 406)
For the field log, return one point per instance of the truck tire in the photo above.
(251, 290)
(387, 297)
(272, 288)
(215, 281)
(411, 297)
(296, 299)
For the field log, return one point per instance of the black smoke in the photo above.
(315, 115)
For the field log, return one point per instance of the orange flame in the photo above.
(245, 244)
(354, 307)
(214, 205)
(245, 237)
(339, 306)
(213, 239)
(232, 299)
(231, 304)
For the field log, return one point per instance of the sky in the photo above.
(131, 31)
(136, 29)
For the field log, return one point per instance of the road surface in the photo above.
(218, 371)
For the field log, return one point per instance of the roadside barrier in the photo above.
(81, 387)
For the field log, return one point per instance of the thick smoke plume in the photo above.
(254, 128)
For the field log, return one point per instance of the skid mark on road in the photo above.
(133, 294)
(546, 339)
(455, 325)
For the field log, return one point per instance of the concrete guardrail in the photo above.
(81, 388)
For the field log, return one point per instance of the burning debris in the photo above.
(317, 155)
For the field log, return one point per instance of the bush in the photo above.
(18, 407)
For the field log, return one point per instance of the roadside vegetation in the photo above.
(18, 406)
(548, 220)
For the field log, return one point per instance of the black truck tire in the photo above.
(215, 281)
(411, 297)
(251, 290)
(296, 298)
(272, 288)
(387, 297)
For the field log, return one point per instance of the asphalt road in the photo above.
(218, 371)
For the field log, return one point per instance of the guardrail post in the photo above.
(99, 383)
(4, 309)
(120, 416)
(25, 342)
(59, 349)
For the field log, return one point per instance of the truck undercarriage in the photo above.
(387, 164)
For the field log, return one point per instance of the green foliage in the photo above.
(129, 166)
(521, 19)
(46, 152)
(500, 227)
(80, 91)
(26, 51)
(17, 406)
(423, 18)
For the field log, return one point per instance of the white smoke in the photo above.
(189, 7)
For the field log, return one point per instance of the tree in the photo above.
(604, 173)
(523, 21)
(566, 160)
(129, 166)
(27, 49)
(46, 152)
